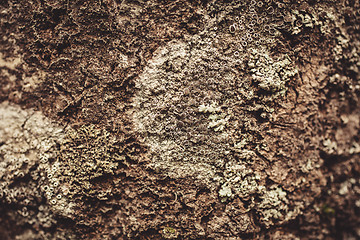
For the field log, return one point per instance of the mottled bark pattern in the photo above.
(124, 119)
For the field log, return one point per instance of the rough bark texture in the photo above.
(179, 119)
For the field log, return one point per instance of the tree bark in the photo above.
(179, 119)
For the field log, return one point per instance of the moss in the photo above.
(327, 209)
(169, 233)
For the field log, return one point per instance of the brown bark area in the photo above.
(270, 155)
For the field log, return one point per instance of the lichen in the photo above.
(271, 75)
(86, 154)
(28, 149)
(223, 112)
(196, 97)
(169, 233)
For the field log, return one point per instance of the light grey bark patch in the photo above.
(203, 106)
(191, 108)
(190, 102)
(22, 131)
(182, 121)
(28, 150)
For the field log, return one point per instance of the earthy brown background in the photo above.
(174, 120)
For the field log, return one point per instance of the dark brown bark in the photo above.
(179, 119)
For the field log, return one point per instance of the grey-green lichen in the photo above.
(46, 168)
(86, 153)
(173, 120)
(309, 17)
(28, 149)
(192, 102)
(239, 181)
(271, 75)
(218, 120)
(196, 100)
(177, 115)
(169, 233)
(197, 105)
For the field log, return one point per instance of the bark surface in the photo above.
(179, 119)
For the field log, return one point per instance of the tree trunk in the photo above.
(179, 119)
